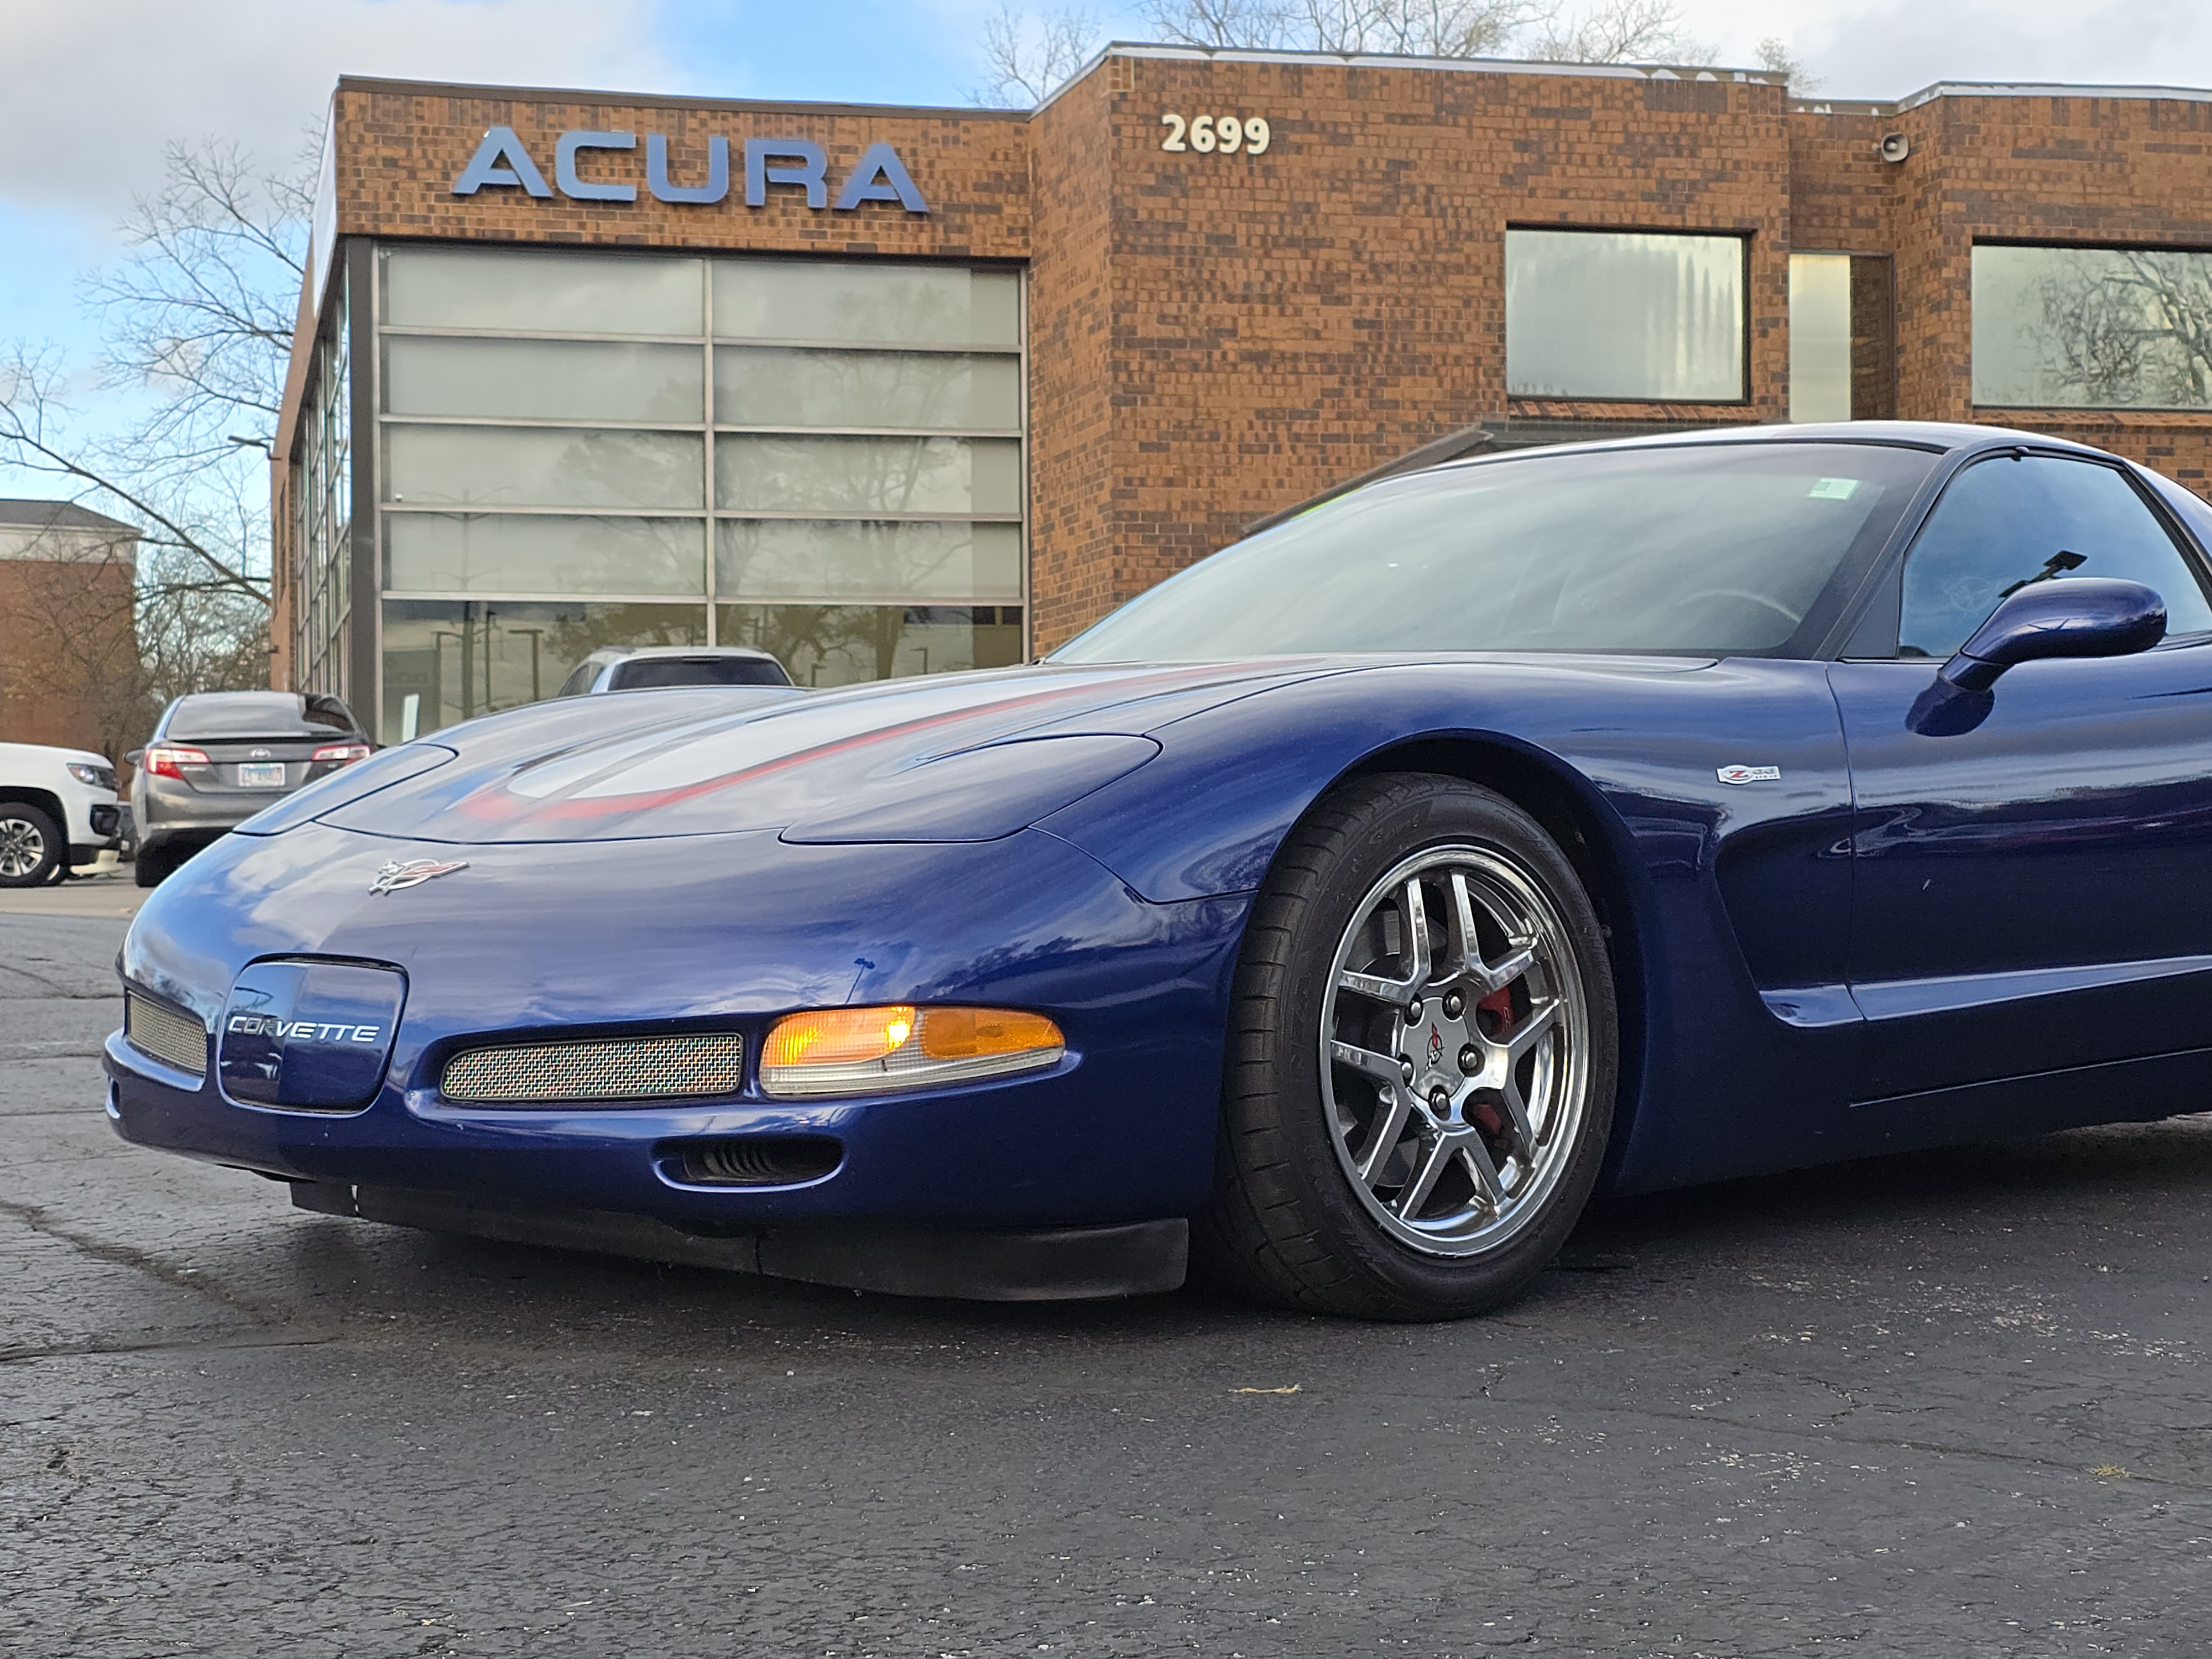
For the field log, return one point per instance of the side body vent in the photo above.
(161, 1031)
(617, 1068)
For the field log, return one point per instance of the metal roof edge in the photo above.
(1457, 65)
(372, 83)
(2045, 89)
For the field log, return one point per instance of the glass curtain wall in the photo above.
(322, 504)
(583, 449)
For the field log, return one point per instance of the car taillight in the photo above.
(341, 753)
(170, 762)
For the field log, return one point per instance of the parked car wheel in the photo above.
(30, 846)
(1423, 1060)
(153, 866)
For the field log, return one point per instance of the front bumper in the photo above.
(169, 810)
(721, 932)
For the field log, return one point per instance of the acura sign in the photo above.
(502, 159)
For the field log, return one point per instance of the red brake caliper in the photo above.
(1499, 1005)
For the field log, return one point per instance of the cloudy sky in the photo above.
(96, 87)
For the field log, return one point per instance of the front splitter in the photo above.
(1059, 1264)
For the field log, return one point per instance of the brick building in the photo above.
(893, 391)
(68, 637)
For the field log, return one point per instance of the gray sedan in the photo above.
(217, 757)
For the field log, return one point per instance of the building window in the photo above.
(1603, 314)
(2092, 328)
(580, 449)
(1820, 337)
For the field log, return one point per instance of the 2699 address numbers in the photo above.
(1223, 135)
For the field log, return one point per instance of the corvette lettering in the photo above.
(1750, 774)
(306, 1030)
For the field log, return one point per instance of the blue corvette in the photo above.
(1340, 915)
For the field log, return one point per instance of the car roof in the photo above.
(633, 653)
(1947, 436)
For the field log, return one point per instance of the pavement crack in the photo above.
(79, 1350)
(41, 1221)
(53, 987)
(1830, 1435)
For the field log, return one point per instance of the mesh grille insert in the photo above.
(623, 1068)
(173, 1038)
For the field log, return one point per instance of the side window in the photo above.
(2008, 521)
(579, 681)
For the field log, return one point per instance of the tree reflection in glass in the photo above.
(2096, 328)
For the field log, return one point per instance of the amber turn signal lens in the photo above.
(966, 1033)
(836, 1036)
(853, 1051)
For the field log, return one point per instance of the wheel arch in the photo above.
(45, 799)
(1578, 818)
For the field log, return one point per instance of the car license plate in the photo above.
(261, 774)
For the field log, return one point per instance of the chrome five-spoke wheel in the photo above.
(1424, 1051)
(1455, 1067)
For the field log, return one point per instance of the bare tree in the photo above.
(1776, 57)
(202, 313)
(198, 330)
(1418, 28)
(1250, 24)
(1025, 59)
(41, 432)
(1618, 32)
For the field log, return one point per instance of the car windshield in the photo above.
(647, 672)
(214, 715)
(1717, 548)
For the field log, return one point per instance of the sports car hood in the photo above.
(951, 758)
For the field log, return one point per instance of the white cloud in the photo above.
(96, 88)
(1885, 49)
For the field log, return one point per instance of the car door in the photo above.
(2032, 874)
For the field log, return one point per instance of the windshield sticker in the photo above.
(1833, 489)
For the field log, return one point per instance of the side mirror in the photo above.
(2073, 617)
(133, 757)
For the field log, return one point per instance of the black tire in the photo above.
(151, 867)
(1289, 1224)
(31, 845)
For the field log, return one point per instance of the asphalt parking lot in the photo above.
(1941, 1404)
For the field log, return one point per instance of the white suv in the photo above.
(57, 808)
